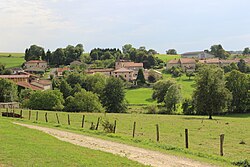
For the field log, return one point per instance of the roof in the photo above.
(35, 69)
(14, 76)
(101, 70)
(174, 61)
(210, 61)
(229, 61)
(123, 70)
(193, 53)
(35, 61)
(63, 69)
(28, 85)
(187, 61)
(44, 82)
(132, 64)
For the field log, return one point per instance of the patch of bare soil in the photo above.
(144, 156)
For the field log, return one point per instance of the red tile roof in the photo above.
(187, 61)
(36, 61)
(132, 64)
(14, 76)
(63, 69)
(28, 85)
(174, 61)
(123, 70)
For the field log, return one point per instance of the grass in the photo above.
(23, 147)
(166, 58)
(140, 96)
(15, 59)
(203, 133)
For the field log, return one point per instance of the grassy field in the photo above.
(24, 147)
(203, 133)
(139, 96)
(15, 59)
(166, 58)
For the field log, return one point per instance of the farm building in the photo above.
(197, 55)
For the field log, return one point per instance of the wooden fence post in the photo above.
(13, 112)
(57, 118)
(186, 137)
(157, 133)
(83, 117)
(97, 124)
(21, 114)
(37, 116)
(46, 117)
(221, 144)
(68, 120)
(29, 114)
(114, 127)
(134, 129)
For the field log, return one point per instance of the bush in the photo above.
(152, 109)
(243, 163)
(107, 126)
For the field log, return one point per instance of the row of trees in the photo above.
(61, 56)
(214, 92)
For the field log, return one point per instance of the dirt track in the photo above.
(140, 155)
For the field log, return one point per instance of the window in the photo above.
(125, 76)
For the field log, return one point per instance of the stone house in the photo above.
(186, 64)
(36, 64)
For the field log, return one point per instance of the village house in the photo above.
(186, 64)
(16, 78)
(59, 71)
(36, 66)
(197, 55)
(125, 73)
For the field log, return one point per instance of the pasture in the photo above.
(166, 58)
(23, 147)
(12, 59)
(203, 133)
(140, 96)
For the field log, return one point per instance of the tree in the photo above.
(58, 57)
(172, 97)
(218, 51)
(8, 91)
(83, 101)
(160, 89)
(46, 100)
(140, 78)
(34, 53)
(65, 88)
(210, 93)
(171, 52)
(95, 83)
(246, 51)
(188, 107)
(113, 98)
(239, 84)
(242, 66)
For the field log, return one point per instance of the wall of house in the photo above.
(126, 75)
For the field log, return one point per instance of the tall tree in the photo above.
(113, 98)
(140, 77)
(160, 89)
(34, 53)
(65, 88)
(210, 93)
(173, 97)
(8, 91)
(218, 51)
(239, 84)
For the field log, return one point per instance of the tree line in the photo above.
(215, 92)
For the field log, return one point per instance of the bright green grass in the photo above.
(23, 147)
(15, 60)
(140, 96)
(166, 58)
(203, 133)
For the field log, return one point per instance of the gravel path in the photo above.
(140, 155)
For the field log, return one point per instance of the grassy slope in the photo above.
(21, 146)
(166, 58)
(140, 96)
(15, 60)
(203, 133)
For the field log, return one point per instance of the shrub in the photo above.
(107, 126)
(152, 109)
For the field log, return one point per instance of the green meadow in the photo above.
(166, 58)
(141, 96)
(12, 59)
(22, 147)
(203, 133)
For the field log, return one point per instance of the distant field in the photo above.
(203, 133)
(12, 59)
(22, 147)
(166, 58)
(140, 96)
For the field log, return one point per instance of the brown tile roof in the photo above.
(63, 69)
(28, 85)
(174, 61)
(123, 70)
(210, 61)
(100, 70)
(132, 64)
(187, 61)
(14, 76)
(36, 61)
(44, 82)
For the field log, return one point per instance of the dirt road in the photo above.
(140, 155)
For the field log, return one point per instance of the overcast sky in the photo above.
(186, 25)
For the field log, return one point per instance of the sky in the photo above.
(185, 25)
